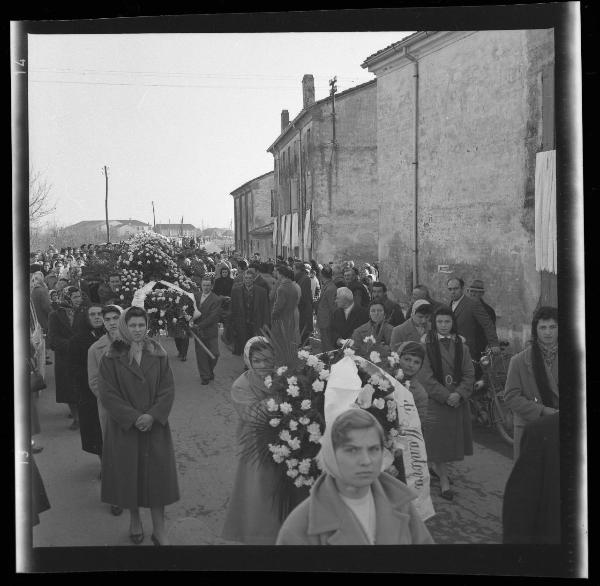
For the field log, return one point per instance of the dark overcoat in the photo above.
(447, 430)
(305, 305)
(469, 315)
(285, 306)
(138, 468)
(344, 328)
(259, 318)
(89, 420)
(60, 331)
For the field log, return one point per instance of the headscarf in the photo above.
(135, 347)
(255, 379)
(37, 279)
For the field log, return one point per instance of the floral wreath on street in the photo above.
(289, 425)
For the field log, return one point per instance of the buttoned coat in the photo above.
(260, 312)
(324, 519)
(447, 430)
(467, 315)
(95, 352)
(521, 393)
(138, 468)
(369, 329)
(344, 328)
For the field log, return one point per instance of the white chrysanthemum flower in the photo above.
(292, 472)
(304, 466)
(292, 463)
(324, 374)
(379, 403)
(312, 361)
(299, 481)
(385, 384)
(285, 451)
(272, 405)
(293, 425)
(294, 443)
(293, 391)
(305, 404)
(274, 422)
(268, 381)
(309, 481)
(303, 354)
(348, 352)
(319, 366)
(292, 381)
(399, 374)
(285, 435)
(375, 357)
(318, 386)
(281, 370)
(278, 458)
(285, 408)
(304, 420)
(368, 339)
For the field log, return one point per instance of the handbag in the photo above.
(36, 380)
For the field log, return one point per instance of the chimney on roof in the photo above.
(308, 91)
(285, 119)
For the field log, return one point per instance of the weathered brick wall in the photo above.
(346, 176)
(261, 194)
(479, 129)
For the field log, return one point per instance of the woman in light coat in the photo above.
(138, 462)
(376, 328)
(353, 502)
(531, 389)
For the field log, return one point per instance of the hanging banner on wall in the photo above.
(275, 231)
(307, 230)
(294, 230)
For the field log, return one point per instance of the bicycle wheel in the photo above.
(503, 419)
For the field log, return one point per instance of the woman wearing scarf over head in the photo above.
(253, 513)
(62, 325)
(90, 331)
(377, 327)
(531, 389)
(136, 388)
(353, 502)
(448, 376)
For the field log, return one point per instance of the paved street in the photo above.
(203, 426)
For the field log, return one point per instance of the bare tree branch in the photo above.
(40, 202)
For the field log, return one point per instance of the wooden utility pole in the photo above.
(106, 205)
(153, 217)
(332, 91)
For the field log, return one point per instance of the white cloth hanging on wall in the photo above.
(545, 212)
(294, 230)
(274, 231)
(307, 230)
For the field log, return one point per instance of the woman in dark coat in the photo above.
(224, 283)
(448, 376)
(285, 314)
(62, 325)
(138, 461)
(89, 332)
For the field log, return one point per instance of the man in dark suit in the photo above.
(531, 506)
(305, 305)
(470, 314)
(206, 327)
(249, 312)
(475, 291)
(393, 311)
(347, 317)
(359, 291)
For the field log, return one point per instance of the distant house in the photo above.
(94, 231)
(252, 208)
(177, 230)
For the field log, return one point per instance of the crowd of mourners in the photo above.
(119, 388)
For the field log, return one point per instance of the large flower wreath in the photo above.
(290, 424)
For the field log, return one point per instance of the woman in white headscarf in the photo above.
(353, 502)
(253, 513)
(136, 387)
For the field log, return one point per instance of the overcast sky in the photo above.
(179, 119)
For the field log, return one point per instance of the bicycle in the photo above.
(487, 402)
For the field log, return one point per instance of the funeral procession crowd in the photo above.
(350, 409)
